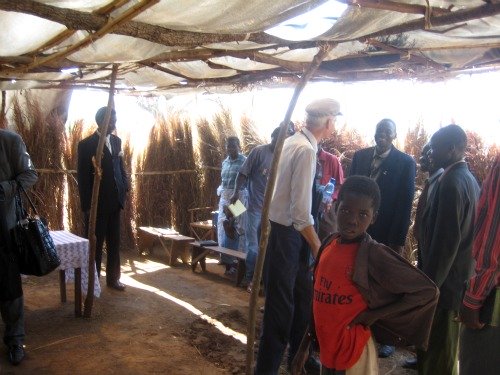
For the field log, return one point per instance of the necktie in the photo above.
(375, 166)
(422, 202)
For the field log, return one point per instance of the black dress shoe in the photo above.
(16, 354)
(117, 286)
(410, 363)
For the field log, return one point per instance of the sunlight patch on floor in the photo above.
(126, 279)
(142, 267)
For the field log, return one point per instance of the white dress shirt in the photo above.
(292, 196)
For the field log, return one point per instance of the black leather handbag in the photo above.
(36, 251)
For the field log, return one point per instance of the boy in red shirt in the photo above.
(363, 290)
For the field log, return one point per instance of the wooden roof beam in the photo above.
(397, 7)
(77, 20)
(410, 55)
(58, 39)
(458, 16)
(205, 54)
(108, 27)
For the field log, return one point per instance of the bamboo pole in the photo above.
(265, 226)
(89, 300)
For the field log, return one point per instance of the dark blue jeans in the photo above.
(288, 297)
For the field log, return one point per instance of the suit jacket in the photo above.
(114, 180)
(15, 166)
(446, 234)
(396, 181)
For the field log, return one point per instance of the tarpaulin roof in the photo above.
(178, 44)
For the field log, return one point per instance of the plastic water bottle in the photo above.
(328, 192)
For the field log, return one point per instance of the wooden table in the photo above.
(199, 254)
(174, 244)
(73, 251)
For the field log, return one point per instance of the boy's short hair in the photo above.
(361, 185)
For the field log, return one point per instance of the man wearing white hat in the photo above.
(292, 239)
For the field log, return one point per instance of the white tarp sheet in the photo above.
(24, 34)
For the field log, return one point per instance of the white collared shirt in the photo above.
(432, 180)
(292, 196)
(108, 142)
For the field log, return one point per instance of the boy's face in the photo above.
(354, 215)
(232, 149)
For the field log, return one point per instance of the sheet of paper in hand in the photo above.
(237, 208)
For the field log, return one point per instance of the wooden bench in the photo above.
(199, 254)
(175, 244)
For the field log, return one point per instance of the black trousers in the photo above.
(107, 229)
(288, 297)
(13, 318)
(479, 352)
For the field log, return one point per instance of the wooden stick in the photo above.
(395, 6)
(89, 300)
(59, 38)
(91, 38)
(322, 53)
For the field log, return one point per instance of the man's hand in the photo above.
(365, 318)
(328, 207)
(234, 198)
(312, 239)
(470, 317)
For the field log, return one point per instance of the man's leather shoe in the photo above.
(117, 286)
(386, 351)
(16, 354)
(410, 363)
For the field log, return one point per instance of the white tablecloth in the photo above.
(74, 253)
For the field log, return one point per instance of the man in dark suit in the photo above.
(15, 168)
(112, 194)
(394, 171)
(445, 241)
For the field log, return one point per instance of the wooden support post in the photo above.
(89, 300)
(322, 53)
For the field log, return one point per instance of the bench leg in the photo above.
(185, 253)
(241, 271)
(168, 251)
(199, 255)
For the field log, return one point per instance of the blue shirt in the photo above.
(256, 169)
(230, 169)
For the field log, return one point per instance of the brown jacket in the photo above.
(385, 279)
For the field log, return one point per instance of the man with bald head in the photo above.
(445, 238)
(112, 193)
(292, 240)
(394, 171)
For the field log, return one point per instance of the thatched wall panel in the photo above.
(45, 141)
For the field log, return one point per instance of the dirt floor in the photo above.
(168, 321)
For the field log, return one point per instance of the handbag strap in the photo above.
(28, 197)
